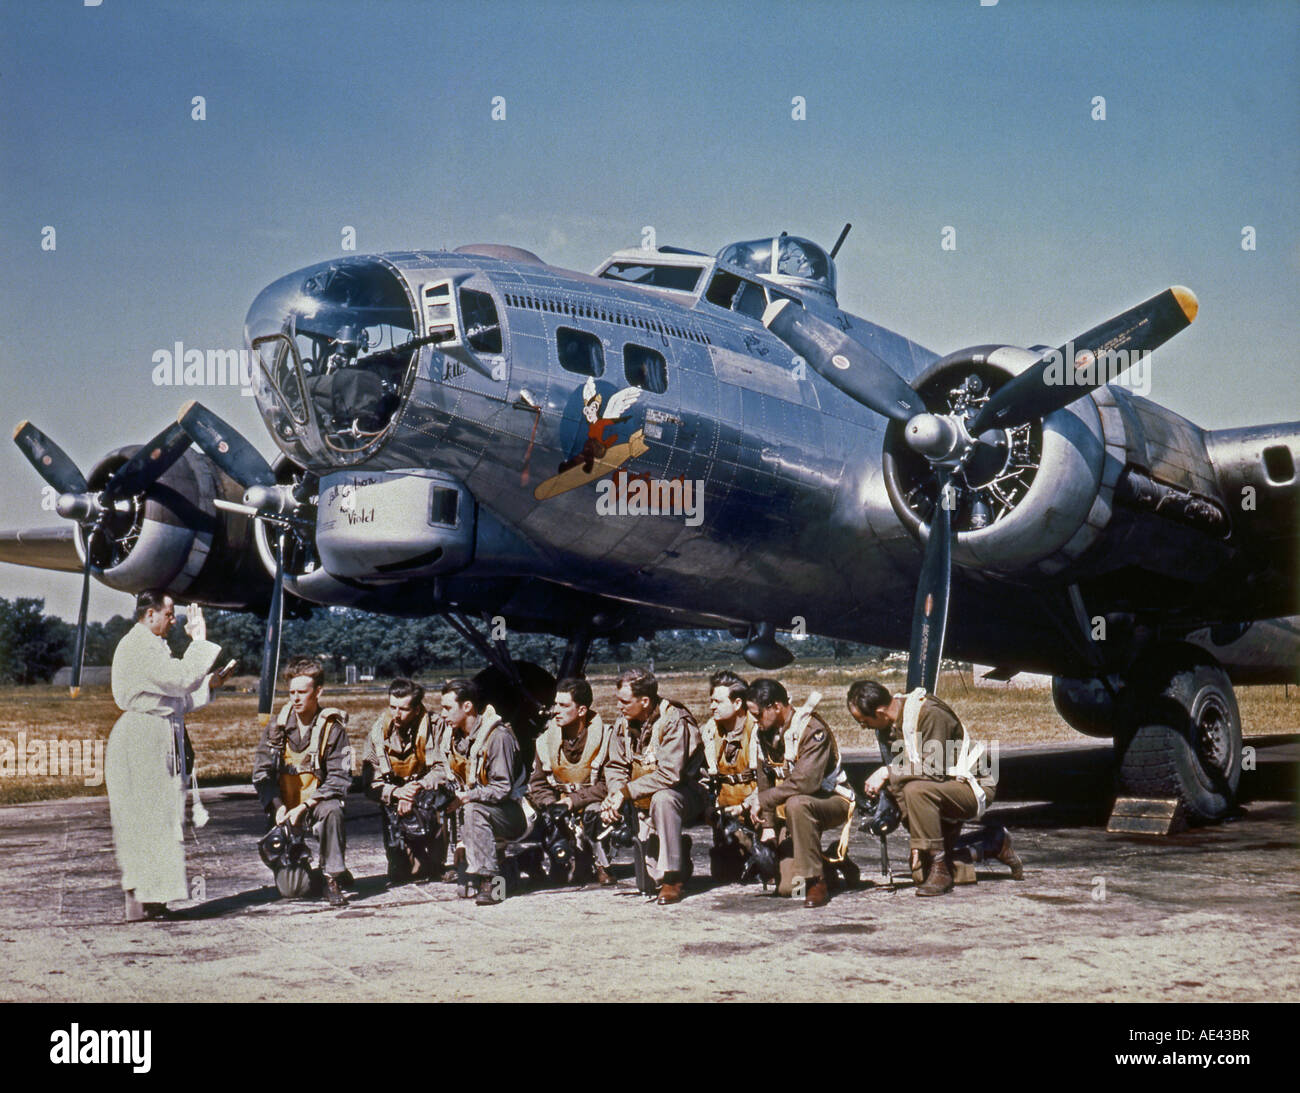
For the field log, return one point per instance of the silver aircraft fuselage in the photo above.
(486, 361)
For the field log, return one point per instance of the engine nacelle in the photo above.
(1035, 501)
(173, 537)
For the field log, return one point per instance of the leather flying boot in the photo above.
(817, 894)
(939, 879)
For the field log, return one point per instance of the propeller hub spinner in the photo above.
(270, 499)
(940, 438)
(82, 507)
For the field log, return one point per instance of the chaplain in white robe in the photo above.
(145, 759)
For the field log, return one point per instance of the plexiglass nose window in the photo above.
(333, 344)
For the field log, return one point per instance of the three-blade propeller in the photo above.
(1051, 383)
(93, 509)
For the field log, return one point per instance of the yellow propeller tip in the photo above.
(74, 691)
(20, 427)
(1187, 301)
(263, 718)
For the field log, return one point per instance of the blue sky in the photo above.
(377, 116)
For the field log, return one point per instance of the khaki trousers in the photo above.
(928, 805)
(807, 818)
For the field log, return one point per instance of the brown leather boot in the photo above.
(1009, 857)
(334, 893)
(817, 894)
(939, 879)
(602, 876)
(489, 895)
(672, 889)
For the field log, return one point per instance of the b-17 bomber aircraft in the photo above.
(679, 440)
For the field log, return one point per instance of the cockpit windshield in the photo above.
(785, 258)
(332, 345)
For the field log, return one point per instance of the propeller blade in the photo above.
(846, 363)
(271, 644)
(149, 463)
(1092, 359)
(225, 446)
(930, 613)
(51, 461)
(79, 653)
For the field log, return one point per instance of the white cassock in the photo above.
(142, 766)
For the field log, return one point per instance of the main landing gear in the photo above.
(1176, 727)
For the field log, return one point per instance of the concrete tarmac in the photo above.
(1210, 914)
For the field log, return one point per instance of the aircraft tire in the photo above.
(1185, 744)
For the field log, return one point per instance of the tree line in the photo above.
(34, 645)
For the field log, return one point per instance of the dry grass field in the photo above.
(225, 732)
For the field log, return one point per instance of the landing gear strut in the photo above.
(576, 652)
(519, 691)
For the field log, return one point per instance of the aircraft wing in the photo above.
(42, 548)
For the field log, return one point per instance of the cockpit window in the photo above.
(335, 340)
(679, 278)
(737, 294)
(482, 326)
